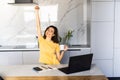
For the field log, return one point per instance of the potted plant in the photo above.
(67, 37)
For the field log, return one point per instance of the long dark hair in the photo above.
(55, 37)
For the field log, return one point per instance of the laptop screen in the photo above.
(80, 63)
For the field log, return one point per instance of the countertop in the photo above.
(35, 48)
(27, 70)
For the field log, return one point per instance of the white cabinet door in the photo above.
(117, 63)
(10, 58)
(102, 40)
(117, 40)
(117, 25)
(14, 58)
(65, 58)
(102, 11)
(3, 58)
(81, 52)
(106, 66)
(31, 57)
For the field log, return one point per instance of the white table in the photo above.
(26, 70)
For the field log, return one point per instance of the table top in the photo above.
(27, 70)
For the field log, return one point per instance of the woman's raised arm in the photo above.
(38, 25)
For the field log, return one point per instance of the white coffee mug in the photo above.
(62, 47)
(11, 1)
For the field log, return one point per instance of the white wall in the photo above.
(17, 23)
(13, 27)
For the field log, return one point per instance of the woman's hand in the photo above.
(37, 7)
(65, 47)
(60, 55)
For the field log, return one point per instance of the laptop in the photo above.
(78, 63)
(1, 78)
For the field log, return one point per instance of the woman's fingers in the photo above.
(65, 47)
(37, 7)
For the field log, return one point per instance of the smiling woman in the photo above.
(49, 43)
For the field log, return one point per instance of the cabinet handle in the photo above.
(74, 49)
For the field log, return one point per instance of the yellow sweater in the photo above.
(48, 50)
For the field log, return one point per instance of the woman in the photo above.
(49, 43)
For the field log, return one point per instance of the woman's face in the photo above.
(50, 32)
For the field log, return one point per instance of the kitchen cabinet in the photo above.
(106, 66)
(101, 9)
(30, 57)
(117, 25)
(81, 52)
(117, 40)
(102, 35)
(117, 63)
(10, 58)
(3, 58)
(102, 40)
(19, 57)
(65, 58)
